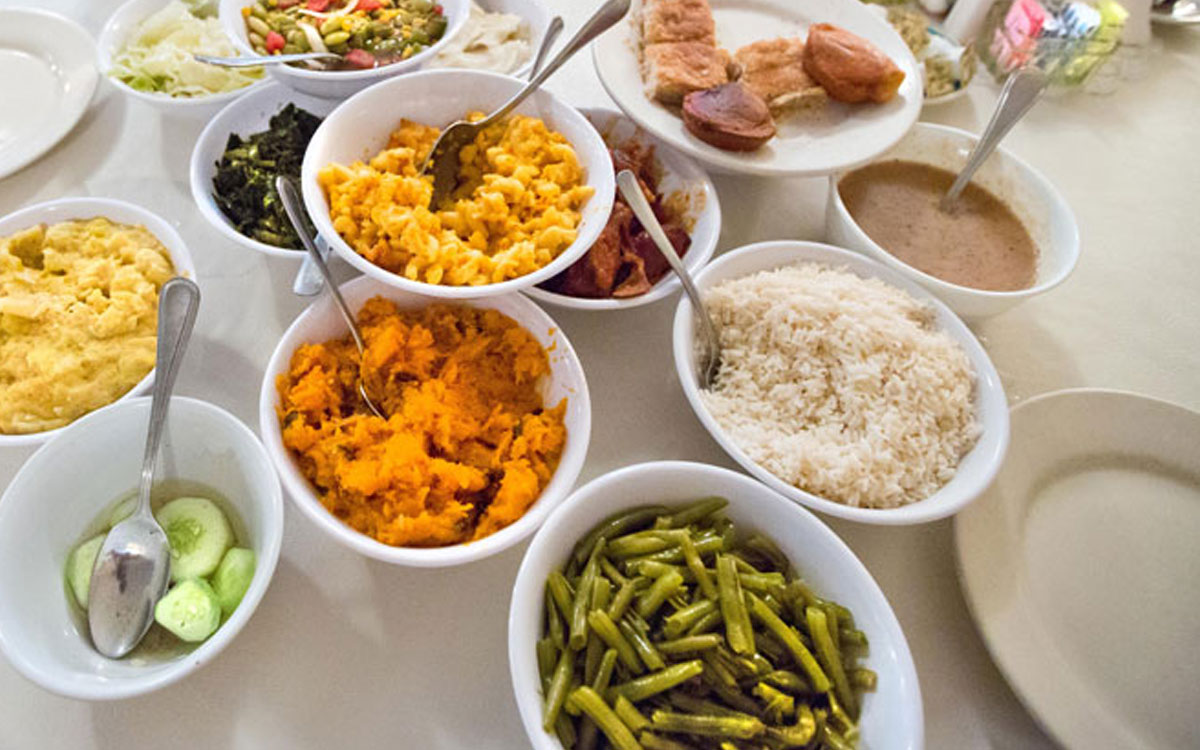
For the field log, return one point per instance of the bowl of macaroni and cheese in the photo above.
(79, 282)
(534, 193)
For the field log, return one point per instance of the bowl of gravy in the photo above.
(1010, 236)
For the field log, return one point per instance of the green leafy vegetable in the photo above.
(244, 184)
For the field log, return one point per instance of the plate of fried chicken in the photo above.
(768, 87)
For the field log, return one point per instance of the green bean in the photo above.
(610, 571)
(592, 655)
(769, 551)
(561, 592)
(677, 624)
(687, 702)
(547, 656)
(706, 624)
(787, 681)
(853, 639)
(605, 671)
(641, 644)
(635, 546)
(565, 729)
(760, 582)
(655, 569)
(604, 627)
(799, 734)
(707, 726)
(588, 734)
(690, 644)
(621, 602)
(613, 527)
(651, 741)
(790, 639)
(704, 545)
(336, 39)
(834, 741)
(658, 682)
(862, 678)
(629, 714)
(606, 719)
(738, 630)
(696, 566)
(717, 669)
(556, 694)
(650, 601)
(827, 654)
(583, 596)
(832, 625)
(553, 622)
(778, 704)
(693, 512)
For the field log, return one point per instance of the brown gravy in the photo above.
(981, 244)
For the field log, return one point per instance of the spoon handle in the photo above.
(608, 14)
(295, 211)
(255, 62)
(178, 301)
(552, 31)
(627, 184)
(1020, 92)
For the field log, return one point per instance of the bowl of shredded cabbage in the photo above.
(146, 49)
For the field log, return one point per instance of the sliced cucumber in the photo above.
(79, 568)
(190, 610)
(199, 534)
(233, 577)
(124, 510)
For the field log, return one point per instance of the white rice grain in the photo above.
(841, 386)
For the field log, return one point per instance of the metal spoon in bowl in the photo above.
(1020, 92)
(295, 211)
(134, 565)
(260, 60)
(552, 31)
(443, 158)
(710, 356)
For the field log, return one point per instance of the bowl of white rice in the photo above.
(843, 385)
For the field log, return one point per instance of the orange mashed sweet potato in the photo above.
(467, 446)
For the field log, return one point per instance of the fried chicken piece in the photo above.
(849, 67)
(730, 117)
(774, 69)
(672, 70)
(678, 21)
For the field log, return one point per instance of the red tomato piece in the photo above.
(285, 4)
(439, 9)
(275, 41)
(317, 6)
(368, 5)
(360, 58)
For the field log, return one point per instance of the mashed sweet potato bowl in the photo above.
(535, 191)
(487, 429)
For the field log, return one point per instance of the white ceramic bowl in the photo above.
(359, 129)
(536, 19)
(245, 116)
(112, 38)
(891, 715)
(339, 84)
(67, 209)
(977, 468)
(75, 477)
(1040, 207)
(322, 322)
(679, 174)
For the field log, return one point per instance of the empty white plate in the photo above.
(839, 137)
(1080, 567)
(49, 76)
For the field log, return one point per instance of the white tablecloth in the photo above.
(348, 653)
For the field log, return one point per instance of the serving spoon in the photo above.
(295, 212)
(443, 159)
(1020, 93)
(134, 565)
(261, 60)
(710, 354)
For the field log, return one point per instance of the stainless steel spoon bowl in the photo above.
(443, 159)
(710, 354)
(134, 565)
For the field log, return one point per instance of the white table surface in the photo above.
(349, 653)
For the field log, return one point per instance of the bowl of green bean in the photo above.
(376, 39)
(675, 605)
